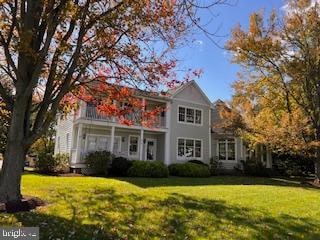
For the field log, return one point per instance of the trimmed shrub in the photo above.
(255, 169)
(47, 163)
(153, 169)
(215, 165)
(198, 162)
(120, 166)
(61, 163)
(189, 170)
(99, 162)
(293, 164)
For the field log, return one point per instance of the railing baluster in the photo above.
(91, 113)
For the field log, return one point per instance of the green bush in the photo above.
(293, 164)
(154, 169)
(120, 166)
(215, 165)
(99, 162)
(61, 162)
(198, 162)
(255, 168)
(189, 170)
(47, 163)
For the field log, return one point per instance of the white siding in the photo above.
(64, 134)
(189, 97)
(191, 94)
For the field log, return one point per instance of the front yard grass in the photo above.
(174, 208)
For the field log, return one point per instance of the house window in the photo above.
(181, 147)
(103, 143)
(117, 145)
(97, 143)
(197, 149)
(189, 148)
(182, 114)
(198, 117)
(189, 115)
(231, 150)
(227, 150)
(133, 145)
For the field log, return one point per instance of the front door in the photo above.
(151, 149)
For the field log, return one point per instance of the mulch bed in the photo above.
(27, 203)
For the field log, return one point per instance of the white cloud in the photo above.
(199, 44)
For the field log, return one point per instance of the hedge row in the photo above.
(103, 163)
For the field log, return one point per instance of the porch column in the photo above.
(167, 134)
(236, 153)
(241, 149)
(141, 144)
(83, 109)
(112, 138)
(168, 115)
(167, 148)
(79, 142)
(269, 159)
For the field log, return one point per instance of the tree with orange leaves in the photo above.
(278, 96)
(55, 52)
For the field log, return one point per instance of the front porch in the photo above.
(134, 144)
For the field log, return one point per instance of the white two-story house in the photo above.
(184, 132)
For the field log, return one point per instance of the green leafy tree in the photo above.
(278, 93)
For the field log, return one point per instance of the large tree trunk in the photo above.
(10, 177)
(317, 168)
(317, 160)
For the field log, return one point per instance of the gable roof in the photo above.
(178, 90)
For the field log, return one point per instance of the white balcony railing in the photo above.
(92, 114)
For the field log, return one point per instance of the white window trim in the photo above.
(145, 149)
(235, 150)
(101, 135)
(138, 150)
(189, 158)
(187, 123)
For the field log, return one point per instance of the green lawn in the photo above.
(174, 208)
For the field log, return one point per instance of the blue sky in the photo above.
(219, 72)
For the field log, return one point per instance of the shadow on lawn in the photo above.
(216, 180)
(102, 213)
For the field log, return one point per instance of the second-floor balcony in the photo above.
(90, 113)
